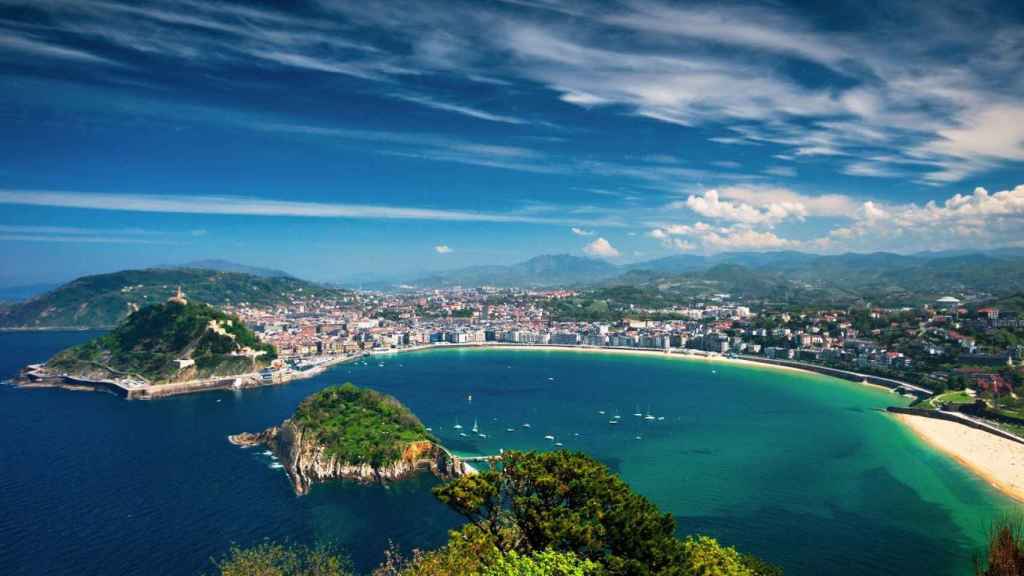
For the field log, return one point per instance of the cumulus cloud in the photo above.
(601, 248)
(442, 249)
(977, 220)
(687, 238)
(710, 205)
(581, 231)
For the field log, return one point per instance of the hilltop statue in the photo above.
(178, 298)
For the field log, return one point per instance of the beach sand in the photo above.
(998, 461)
(642, 352)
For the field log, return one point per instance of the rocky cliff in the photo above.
(308, 462)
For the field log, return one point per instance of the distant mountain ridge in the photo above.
(229, 266)
(997, 271)
(549, 270)
(103, 300)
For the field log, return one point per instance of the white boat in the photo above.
(457, 425)
(429, 429)
(510, 429)
(475, 427)
(463, 434)
(527, 425)
(613, 421)
(482, 435)
(549, 437)
(638, 437)
(559, 444)
(601, 412)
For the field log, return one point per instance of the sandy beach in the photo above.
(999, 461)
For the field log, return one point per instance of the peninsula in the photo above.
(356, 434)
(162, 345)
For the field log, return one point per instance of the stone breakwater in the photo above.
(308, 462)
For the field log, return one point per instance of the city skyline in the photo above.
(335, 140)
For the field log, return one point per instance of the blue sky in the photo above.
(341, 140)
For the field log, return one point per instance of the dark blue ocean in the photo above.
(803, 470)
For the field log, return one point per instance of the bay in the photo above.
(804, 470)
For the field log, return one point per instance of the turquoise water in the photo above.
(801, 469)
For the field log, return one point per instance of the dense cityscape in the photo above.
(939, 346)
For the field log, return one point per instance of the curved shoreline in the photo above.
(997, 461)
(683, 354)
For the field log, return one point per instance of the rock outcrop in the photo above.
(308, 462)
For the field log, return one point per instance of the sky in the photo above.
(347, 140)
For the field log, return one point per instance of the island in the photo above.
(168, 348)
(347, 432)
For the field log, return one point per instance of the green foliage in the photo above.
(468, 551)
(545, 563)
(358, 425)
(103, 300)
(569, 502)
(149, 341)
(270, 559)
(704, 556)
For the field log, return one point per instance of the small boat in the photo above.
(482, 435)
(638, 437)
(429, 429)
(601, 412)
(638, 414)
(559, 444)
(613, 421)
(463, 434)
(660, 418)
(550, 378)
(475, 427)
(469, 398)
(510, 429)
(527, 425)
(457, 425)
(650, 417)
(549, 437)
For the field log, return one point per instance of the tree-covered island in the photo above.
(353, 433)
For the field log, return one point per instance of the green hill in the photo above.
(358, 425)
(150, 342)
(103, 300)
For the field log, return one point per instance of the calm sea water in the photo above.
(801, 469)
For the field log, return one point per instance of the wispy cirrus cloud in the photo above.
(458, 109)
(249, 206)
(71, 234)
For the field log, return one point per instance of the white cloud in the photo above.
(581, 231)
(781, 171)
(72, 234)
(442, 249)
(719, 239)
(458, 109)
(710, 205)
(247, 206)
(36, 47)
(601, 248)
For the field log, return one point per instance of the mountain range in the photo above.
(788, 278)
